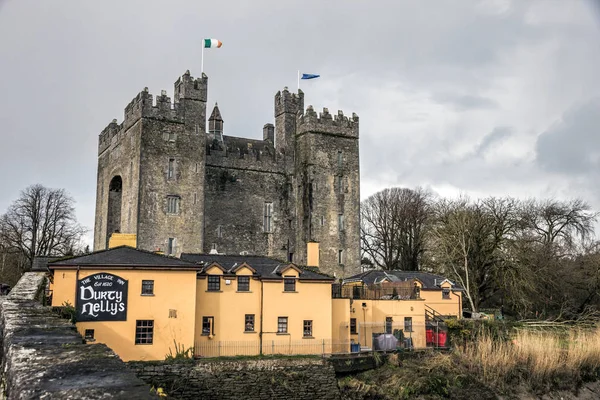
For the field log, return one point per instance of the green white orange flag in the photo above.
(212, 43)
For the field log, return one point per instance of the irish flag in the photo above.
(211, 43)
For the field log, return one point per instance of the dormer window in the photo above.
(289, 284)
(445, 293)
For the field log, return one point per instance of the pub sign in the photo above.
(101, 297)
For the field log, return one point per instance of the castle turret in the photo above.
(151, 170)
(215, 125)
(328, 189)
(287, 105)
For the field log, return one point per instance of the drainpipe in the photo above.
(459, 304)
(260, 333)
(76, 280)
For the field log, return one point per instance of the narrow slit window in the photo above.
(171, 169)
(341, 222)
(340, 159)
(268, 217)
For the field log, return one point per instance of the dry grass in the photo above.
(537, 356)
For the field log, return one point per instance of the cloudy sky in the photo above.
(484, 97)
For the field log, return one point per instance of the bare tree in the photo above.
(393, 225)
(41, 222)
(559, 223)
(471, 243)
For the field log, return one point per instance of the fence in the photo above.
(391, 335)
(229, 348)
(374, 292)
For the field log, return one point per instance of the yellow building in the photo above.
(250, 305)
(409, 306)
(145, 306)
(142, 305)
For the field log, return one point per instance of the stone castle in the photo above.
(183, 188)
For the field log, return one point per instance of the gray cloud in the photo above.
(572, 145)
(465, 101)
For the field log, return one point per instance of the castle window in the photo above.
(195, 197)
(340, 160)
(268, 217)
(172, 136)
(341, 222)
(171, 169)
(220, 231)
(170, 246)
(339, 184)
(173, 204)
(322, 220)
(340, 256)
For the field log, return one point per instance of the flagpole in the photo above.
(298, 79)
(202, 59)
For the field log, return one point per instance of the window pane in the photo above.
(243, 284)
(214, 283)
(282, 325)
(307, 328)
(289, 284)
(144, 331)
(249, 323)
(147, 287)
(353, 325)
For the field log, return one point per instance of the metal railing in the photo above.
(231, 348)
(374, 292)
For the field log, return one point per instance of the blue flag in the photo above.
(309, 76)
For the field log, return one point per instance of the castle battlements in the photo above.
(144, 105)
(287, 102)
(324, 122)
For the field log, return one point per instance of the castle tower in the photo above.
(328, 190)
(151, 171)
(287, 105)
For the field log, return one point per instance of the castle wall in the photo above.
(119, 155)
(235, 198)
(139, 150)
(182, 178)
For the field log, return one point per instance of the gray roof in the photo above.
(429, 281)
(123, 256)
(40, 263)
(265, 267)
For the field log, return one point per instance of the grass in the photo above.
(527, 361)
(538, 358)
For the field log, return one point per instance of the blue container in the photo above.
(355, 347)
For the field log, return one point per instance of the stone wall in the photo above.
(288, 378)
(43, 356)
